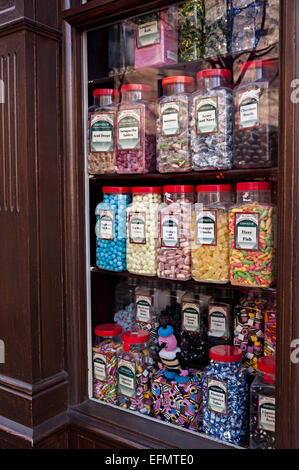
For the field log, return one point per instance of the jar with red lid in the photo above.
(225, 395)
(173, 125)
(136, 130)
(102, 131)
(256, 115)
(262, 405)
(252, 236)
(134, 368)
(211, 120)
(210, 233)
(174, 233)
(108, 341)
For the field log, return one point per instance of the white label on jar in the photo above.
(266, 413)
(170, 113)
(217, 396)
(128, 124)
(126, 372)
(99, 363)
(207, 115)
(170, 224)
(218, 321)
(191, 316)
(148, 30)
(137, 227)
(105, 225)
(248, 108)
(206, 227)
(246, 231)
(101, 132)
(143, 308)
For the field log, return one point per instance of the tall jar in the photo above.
(262, 405)
(171, 311)
(133, 372)
(136, 131)
(211, 121)
(251, 236)
(124, 304)
(210, 233)
(225, 395)
(174, 237)
(111, 228)
(221, 318)
(107, 343)
(102, 131)
(173, 125)
(142, 230)
(256, 115)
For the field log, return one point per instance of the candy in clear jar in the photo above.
(173, 125)
(270, 326)
(211, 121)
(124, 304)
(171, 312)
(221, 318)
(217, 27)
(190, 34)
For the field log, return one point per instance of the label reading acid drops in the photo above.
(148, 30)
(128, 124)
(137, 228)
(99, 363)
(206, 227)
(191, 317)
(102, 132)
(207, 115)
(266, 407)
(217, 396)
(246, 231)
(126, 371)
(248, 106)
(170, 231)
(170, 115)
(143, 308)
(105, 226)
(218, 321)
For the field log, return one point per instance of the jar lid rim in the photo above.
(257, 64)
(136, 336)
(223, 353)
(178, 189)
(136, 87)
(178, 79)
(105, 91)
(108, 329)
(267, 364)
(205, 188)
(117, 189)
(147, 189)
(254, 186)
(214, 73)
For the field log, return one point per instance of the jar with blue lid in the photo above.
(225, 395)
(111, 229)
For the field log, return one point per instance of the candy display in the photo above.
(210, 233)
(190, 33)
(270, 327)
(211, 121)
(225, 395)
(136, 131)
(178, 403)
(251, 236)
(171, 312)
(221, 318)
(124, 304)
(101, 131)
(142, 231)
(217, 27)
(256, 115)
(108, 343)
(262, 405)
(111, 228)
(156, 38)
(173, 125)
(174, 238)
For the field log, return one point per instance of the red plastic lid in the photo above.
(178, 79)
(267, 364)
(214, 73)
(206, 188)
(108, 329)
(255, 64)
(136, 336)
(147, 190)
(178, 189)
(225, 353)
(117, 189)
(253, 186)
(136, 87)
(105, 91)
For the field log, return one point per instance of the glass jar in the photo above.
(142, 231)
(101, 132)
(256, 116)
(174, 237)
(173, 125)
(221, 318)
(210, 233)
(111, 228)
(133, 372)
(251, 236)
(136, 131)
(190, 34)
(171, 311)
(107, 343)
(211, 121)
(217, 27)
(262, 405)
(270, 326)
(124, 304)
(225, 395)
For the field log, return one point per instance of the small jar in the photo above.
(221, 318)
(173, 125)
(133, 372)
(225, 395)
(252, 236)
(256, 116)
(111, 228)
(142, 231)
(107, 343)
(174, 237)
(210, 233)
(136, 131)
(262, 405)
(211, 121)
(102, 132)
(124, 304)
